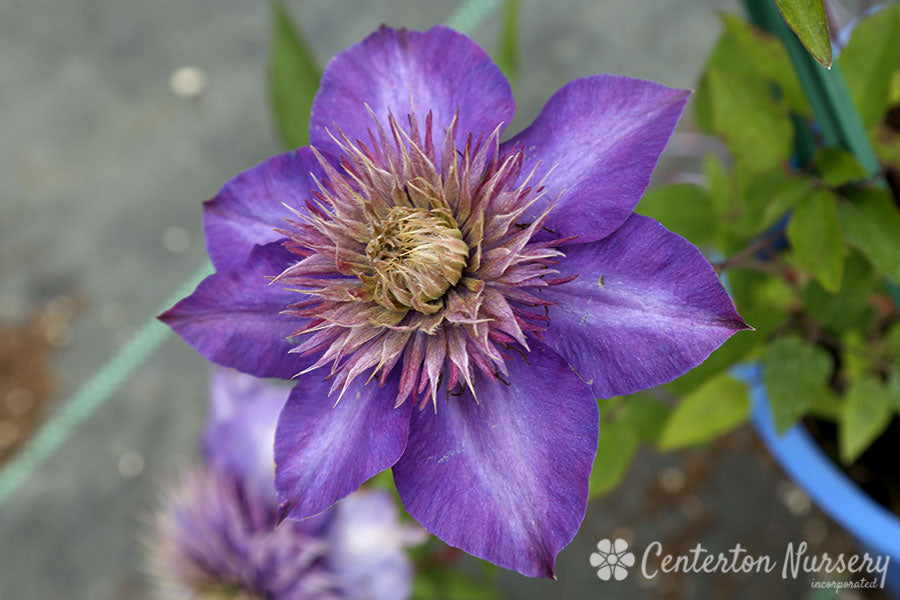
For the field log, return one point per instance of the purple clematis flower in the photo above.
(217, 535)
(409, 258)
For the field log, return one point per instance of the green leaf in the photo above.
(865, 414)
(766, 197)
(806, 18)
(794, 373)
(720, 185)
(871, 222)
(848, 308)
(784, 198)
(645, 416)
(716, 407)
(826, 405)
(838, 167)
(508, 51)
(293, 79)
(869, 60)
(684, 208)
(854, 355)
(768, 58)
(755, 126)
(816, 237)
(615, 449)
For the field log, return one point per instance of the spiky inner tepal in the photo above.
(418, 256)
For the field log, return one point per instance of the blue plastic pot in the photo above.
(875, 528)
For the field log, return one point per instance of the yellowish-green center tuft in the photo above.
(416, 255)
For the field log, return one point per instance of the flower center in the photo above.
(415, 255)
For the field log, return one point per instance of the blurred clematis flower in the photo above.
(217, 535)
(409, 258)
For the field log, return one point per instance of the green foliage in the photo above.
(293, 79)
(864, 415)
(869, 60)
(617, 445)
(625, 422)
(767, 59)
(849, 307)
(806, 18)
(452, 584)
(645, 415)
(714, 408)
(508, 51)
(753, 123)
(795, 374)
(816, 237)
(684, 208)
(871, 223)
(838, 167)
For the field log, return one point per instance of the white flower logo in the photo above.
(612, 559)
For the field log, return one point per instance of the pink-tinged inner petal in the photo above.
(645, 308)
(404, 72)
(506, 478)
(233, 317)
(595, 145)
(323, 451)
(248, 208)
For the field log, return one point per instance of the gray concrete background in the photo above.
(99, 159)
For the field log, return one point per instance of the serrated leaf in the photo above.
(756, 127)
(869, 60)
(807, 19)
(293, 79)
(684, 208)
(795, 373)
(838, 167)
(716, 407)
(815, 234)
(865, 413)
(871, 223)
(615, 449)
(508, 51)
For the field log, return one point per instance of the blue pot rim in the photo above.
(801, 457)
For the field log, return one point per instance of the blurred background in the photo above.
(119, 118)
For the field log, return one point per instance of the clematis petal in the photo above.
(396, 70)
(324, 452)
(597, 141)
(505, 479)
(248, 208)
(367, 550)
(645, 308)
(240, 428)
(233, 319)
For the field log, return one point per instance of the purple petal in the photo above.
(324, 452)
(233, 319)
(249, 207)
(505, 479)
(240, 428)
(438, 70)
(645, 308)
(598, 140)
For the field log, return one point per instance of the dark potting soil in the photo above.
(877, 470)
